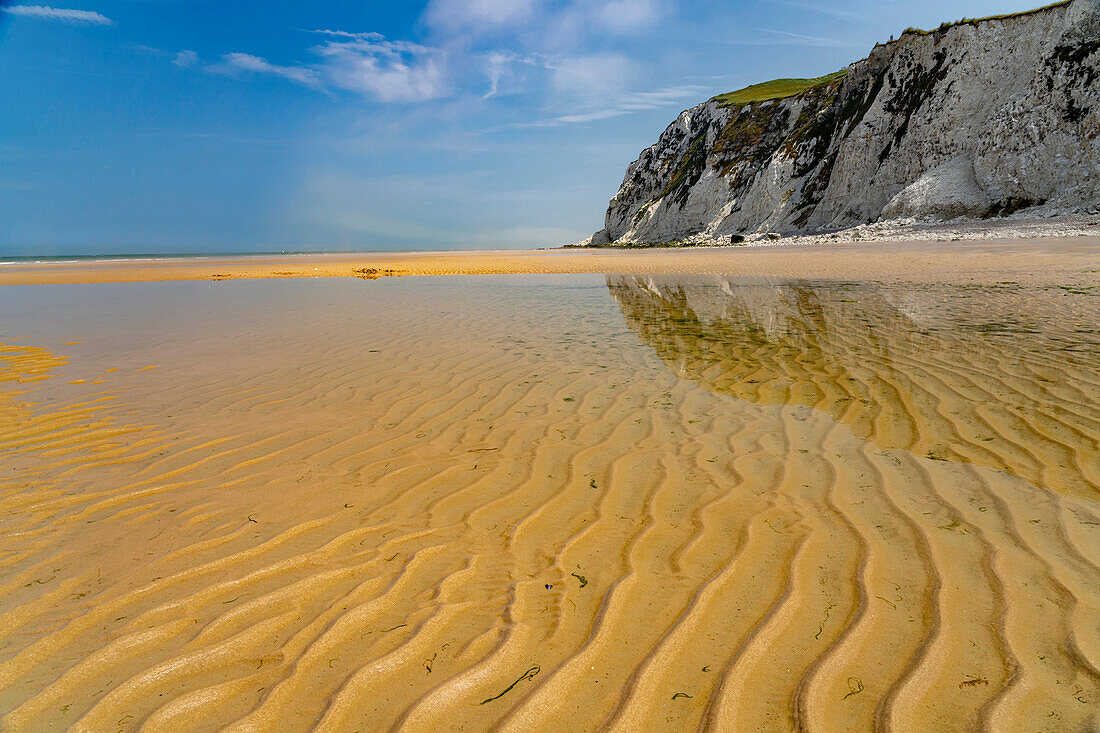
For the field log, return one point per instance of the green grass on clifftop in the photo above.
(976, 21)
(775, 89)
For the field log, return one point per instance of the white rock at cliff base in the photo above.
(945, 192)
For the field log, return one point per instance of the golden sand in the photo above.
(633, 503)
(1066, 261)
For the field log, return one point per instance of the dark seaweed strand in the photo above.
(529, 674)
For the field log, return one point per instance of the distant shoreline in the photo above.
(1076, 258)
(7, 260)
(891, 232)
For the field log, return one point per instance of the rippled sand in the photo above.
(550, 503)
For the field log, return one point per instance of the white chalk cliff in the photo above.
(975, 119)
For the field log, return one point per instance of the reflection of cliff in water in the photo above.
(1004, 377)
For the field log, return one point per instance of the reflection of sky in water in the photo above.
(1003, 376)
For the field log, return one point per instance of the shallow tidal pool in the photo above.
(550, 502)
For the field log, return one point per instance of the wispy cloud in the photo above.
(478, 16)
(807, 40)
(364, 63)
(501, 66)
(232, 62)
(185, 59)
(624, 104)
(628, 15)
(594, 76)
(834, 12)
(64, 15)
(498, 65)
(368, 36)
(388, 71)
(540, 25)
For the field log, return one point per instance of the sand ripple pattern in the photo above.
(490, 505)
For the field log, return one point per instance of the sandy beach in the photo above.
(549, 367)
(1071, 260)
(814, 488)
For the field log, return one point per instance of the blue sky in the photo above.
(214, 126)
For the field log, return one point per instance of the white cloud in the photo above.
(498, 66)
(839, 13)
(369, 36)
(480, 48)
(184, 59)
(65, 15)
(592, 76)
(542, 22)
(623, 104)
(628, 15)
(365, 63)
(805, 40)
(258, 65)
(389, 71)
(479, 16)
(592, 23)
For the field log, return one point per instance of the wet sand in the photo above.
(629, 502)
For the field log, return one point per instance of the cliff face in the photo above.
(978, 119)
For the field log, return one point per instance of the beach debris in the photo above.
(973, 682)
(528, 675)
(592, 483)
(428, 663)
(955, 522)
(681, 694)
(549, 587)
(581, 578)
(373, 273)
(825, 620)
(855, 686)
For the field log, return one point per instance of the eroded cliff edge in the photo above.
(976, 119)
